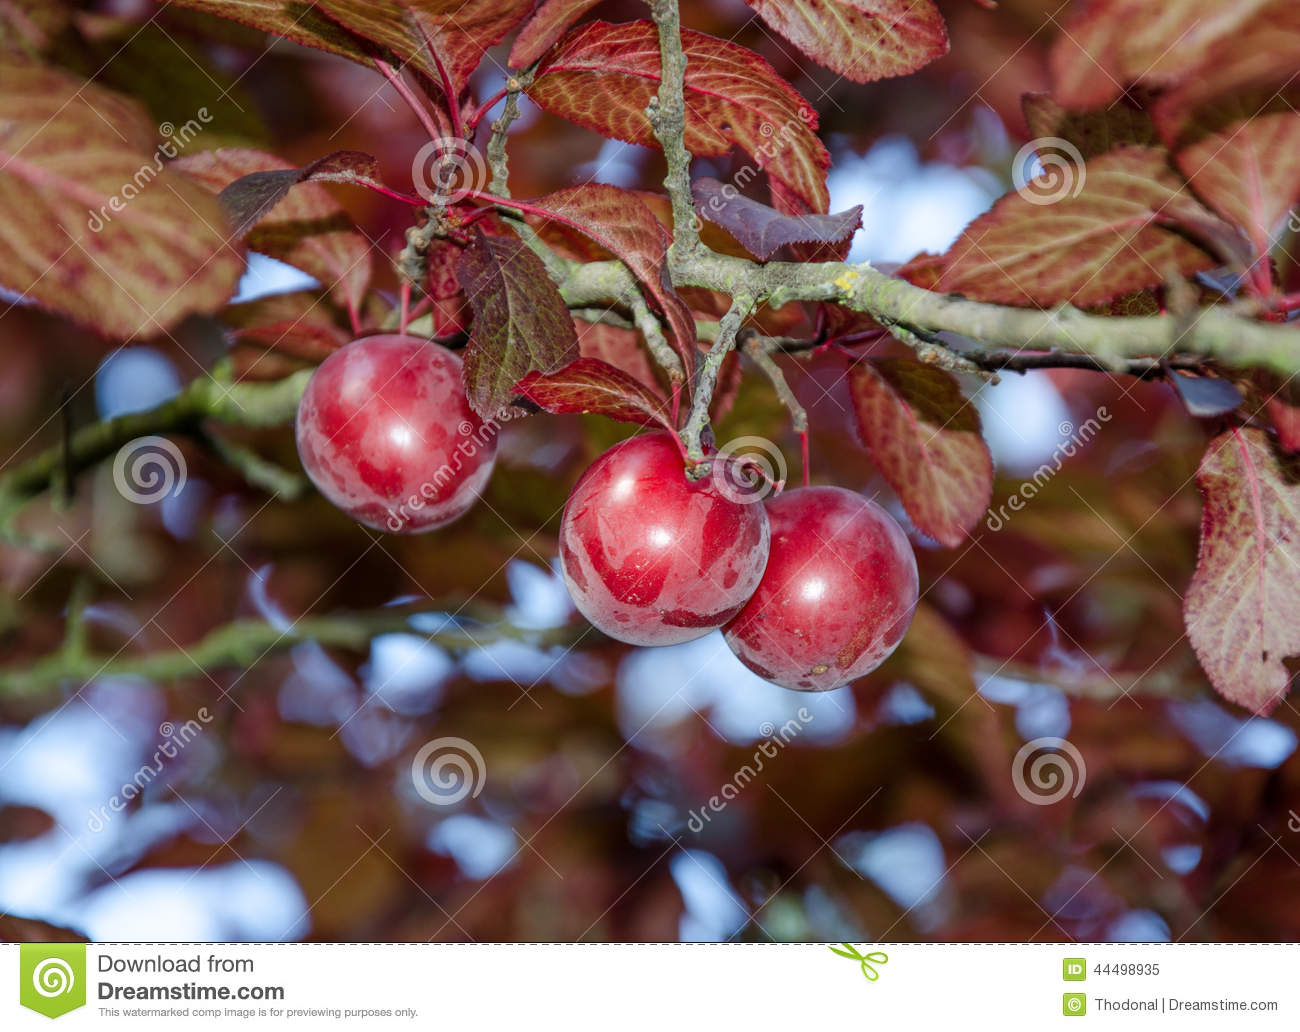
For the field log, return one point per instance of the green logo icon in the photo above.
(1074, 1005)
(52, 977)
(866, 960)
(1074, 969)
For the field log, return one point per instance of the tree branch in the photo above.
(759, 349)
(667, 114)
(243, 643)
(706, 375)
(209, 397)
(1225, 333)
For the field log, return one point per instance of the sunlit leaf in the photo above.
(544, 28)
(924, 437)
(304, 226)
(421, 33)
(863, 40)
(591, 385)
(93, 224)
(603, 76)
(1112, 43)
(1240, 608)
(1102, 236)
(618, 221)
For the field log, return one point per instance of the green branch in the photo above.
(1224, 333)
(243, 643)
(706, 376)
(667, 114)
(209, 397)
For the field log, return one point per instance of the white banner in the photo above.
(645, 986)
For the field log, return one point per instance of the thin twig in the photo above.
(706, 375)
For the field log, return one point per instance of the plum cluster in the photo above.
(812, 587)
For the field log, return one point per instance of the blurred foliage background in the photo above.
(892, 813)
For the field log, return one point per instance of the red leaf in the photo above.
(620, 347)
(863, 40)
(1253, 68)
(763, 230)
(590, 385)
(1102, 237)
(93, 223)
(1233, 125)
(305, 227)
(550, 22)
(1093, 133)
(1248, 172)
(923, 270)
(300, 324)
(602, 76)
(421, 33)
(627, 229)
(249, 198)
(924, 437)
(1240, 608)
(1112, 43)
(1286, 421)
(521, 323)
